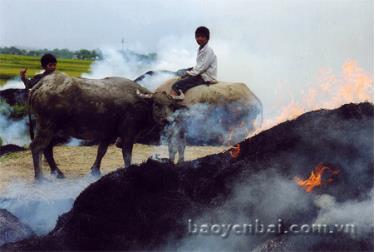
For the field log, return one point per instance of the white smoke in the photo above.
(151, 82)
(357, 212)
(265, 196)
(12, 131)
(12, 83)
(208, 124)
(271, 198)
(74, 142)
(175, 52)
(115, 63)
(40, 204)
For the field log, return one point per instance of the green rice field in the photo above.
(10, 66)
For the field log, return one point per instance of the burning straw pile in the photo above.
(317, 168)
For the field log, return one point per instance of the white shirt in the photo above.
(206, 64)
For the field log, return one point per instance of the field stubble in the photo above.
(75, 161)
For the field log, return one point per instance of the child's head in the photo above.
(202, 35)
(48, 62)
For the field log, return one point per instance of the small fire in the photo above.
(235, 151)
(315, 178)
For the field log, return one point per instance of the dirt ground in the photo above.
(75, 161)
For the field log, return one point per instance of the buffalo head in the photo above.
(163, 105)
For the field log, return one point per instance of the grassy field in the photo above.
(76, 161)
(10, 66)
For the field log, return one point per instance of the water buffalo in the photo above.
(216, 114)
(231, 112)
(223, 113)
(101, 109)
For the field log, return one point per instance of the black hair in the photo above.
(202, 30)
(47, 58)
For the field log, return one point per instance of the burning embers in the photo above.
(316, 176)
(235, 151)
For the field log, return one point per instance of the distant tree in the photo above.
(11, 50)
(85, 54)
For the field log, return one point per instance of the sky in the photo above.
(278, 47)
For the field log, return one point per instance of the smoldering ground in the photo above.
(221, 189)
(271, 193)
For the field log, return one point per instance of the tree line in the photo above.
(83, 54)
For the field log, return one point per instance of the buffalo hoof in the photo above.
(96, 172)
(58, 174)
(40, 179)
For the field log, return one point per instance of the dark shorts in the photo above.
(188, 83)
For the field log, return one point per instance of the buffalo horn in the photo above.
(146, 96)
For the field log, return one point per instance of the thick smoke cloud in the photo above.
(358, 211)
(266, 197)
(13, 83)
(39, 205)
(12, 131)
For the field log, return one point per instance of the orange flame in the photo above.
(315, 178)
(235, 151)
(351, 84)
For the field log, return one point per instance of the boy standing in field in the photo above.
(205, 71)
(48, 62)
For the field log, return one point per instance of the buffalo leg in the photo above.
(171, 140)
(176, 141)
(172, 150)
(42, 139)
(48, 154)
(102, 149)
(127, 148)
(181, 143)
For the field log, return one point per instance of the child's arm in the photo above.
(203, 63)
(25, 80)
